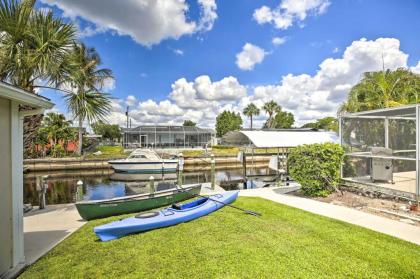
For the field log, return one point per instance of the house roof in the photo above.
(281, 138)
(167, 128)
(23, 97)
(400, 111)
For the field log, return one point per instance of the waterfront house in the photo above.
(167, 137)
(15, 104)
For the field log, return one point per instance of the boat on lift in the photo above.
(144, 161)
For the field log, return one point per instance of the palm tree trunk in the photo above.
(31, 125)
(251, 122)
(79, 145)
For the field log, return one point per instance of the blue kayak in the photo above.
(164, 218)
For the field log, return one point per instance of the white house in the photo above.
(12, 101)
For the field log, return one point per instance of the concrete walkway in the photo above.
(206, 189)
(44, 229)
(377, 223)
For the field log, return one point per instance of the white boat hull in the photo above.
(144, 167)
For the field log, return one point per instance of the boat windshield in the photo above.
(137, 156)
(144, 154)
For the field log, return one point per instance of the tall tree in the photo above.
(56, 126)
(270, 108)
(189, 123)
(227, 121)
(107, 131)
(383, 89)
(34, 46)
(327, 123)
(283, 119)
(251, 110)
(87, 101)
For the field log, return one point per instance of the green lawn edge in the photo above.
(284, 242)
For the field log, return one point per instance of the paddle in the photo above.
(253, 213)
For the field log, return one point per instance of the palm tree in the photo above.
(383, 89)
(250, 111)
(56, 127)
(34, 46)
(86, 102)
(270, 108)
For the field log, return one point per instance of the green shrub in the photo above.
(58, 151)
(316, 167)
(222, 147)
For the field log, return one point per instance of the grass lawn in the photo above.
(284, 243)
(108, 152)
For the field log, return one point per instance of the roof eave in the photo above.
(23, 97)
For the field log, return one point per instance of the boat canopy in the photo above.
(278, 138)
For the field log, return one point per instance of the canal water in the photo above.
(104, 184)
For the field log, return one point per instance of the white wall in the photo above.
(11, 187)
(5, 187)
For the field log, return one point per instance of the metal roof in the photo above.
(167, 128)
(277, 139)
(401, 111)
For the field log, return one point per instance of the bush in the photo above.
(58, 151)
(222, 147)
(316, 167)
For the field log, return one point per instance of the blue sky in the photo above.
(325, 46)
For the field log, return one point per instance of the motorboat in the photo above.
(144, 161)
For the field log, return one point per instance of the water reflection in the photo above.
(104, 184)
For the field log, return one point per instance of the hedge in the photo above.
(316, 167)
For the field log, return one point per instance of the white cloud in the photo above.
(278, 41)
(146, 21)
(336, 49)
(311, 97)
(224, 90)
(416, 69)
(308, 96)
(249, 56)
(178, 51)
(109, 84)
(208, 15)
(131, 100)
(290, 11)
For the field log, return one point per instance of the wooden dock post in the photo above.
(180, 168)
(152, 185)
(43, 192)
(79, 190)
(213, 172)
(244, 168)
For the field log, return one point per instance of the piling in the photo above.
(43, 192)
(152, 185)
(213, 172)
(180, 168)
(244, 168)
(79, 190)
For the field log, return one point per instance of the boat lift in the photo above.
(281, 140)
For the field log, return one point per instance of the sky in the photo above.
(191, 59)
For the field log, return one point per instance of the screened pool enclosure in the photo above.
(382, 150)
(166, 137)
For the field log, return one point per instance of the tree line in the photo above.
(380, 89)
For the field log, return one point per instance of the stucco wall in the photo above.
(5, 187)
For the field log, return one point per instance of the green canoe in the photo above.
(104, 208)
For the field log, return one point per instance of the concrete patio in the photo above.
(44, 229)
